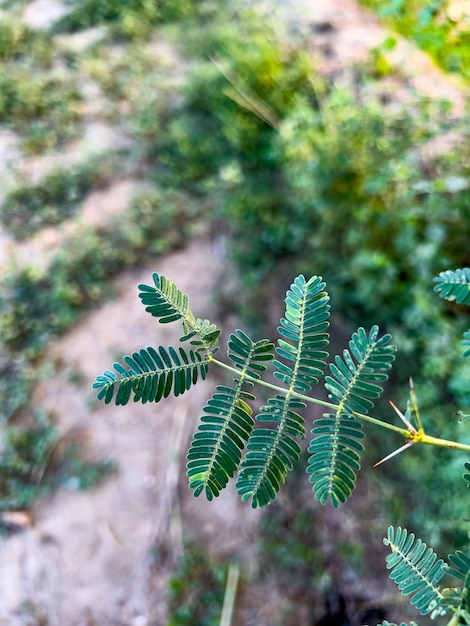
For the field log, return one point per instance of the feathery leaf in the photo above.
(466, 476)
(272, 452)
(354, 385)
(387, 623)
(416, 570)
(454, 285)
(304, 326)
(459, 564)
(166, 302)
(466, 343)
(149, 375)
(216, 450)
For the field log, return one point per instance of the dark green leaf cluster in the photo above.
(454, 285)
(227, 427)
(418, 572)
(305, 325)
(459, 564)
(272, 452)
(354, 385)
(387, 623)
(415, 569)
(466, 476)
(151, 375)
(168, 304)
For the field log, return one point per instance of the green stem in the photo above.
(230, 595)
(443, 443)
(423, 438)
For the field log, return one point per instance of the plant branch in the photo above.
(329, 405)
(416, 437)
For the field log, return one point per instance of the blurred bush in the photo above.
(56, 197)
(19, 42)
(440, 27)
(196, 589)
(43, 107)
(132, 19)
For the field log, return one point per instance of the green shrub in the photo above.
(43, 107)
(196, 589)
(134, 18)
(18, 41)
(56, 197)
(433, 26)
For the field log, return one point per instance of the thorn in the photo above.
(414, 402)
(395, 452)
(404, 419)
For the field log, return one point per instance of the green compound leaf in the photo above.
(454, 285)
(459, 564)
(304, 326)
(249, 357)
(416, 570)
(166, 302)
(150, 375)
(216, 449)
(272, 452)
(355, 384)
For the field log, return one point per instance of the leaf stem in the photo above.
(443, 443)
(419, 437)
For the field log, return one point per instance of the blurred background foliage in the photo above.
(239, 132)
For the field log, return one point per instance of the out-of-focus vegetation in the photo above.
(39, 304)
(298, 172)
(196, 589)
(29, 207)
(39, 99)
(132, 19)
(440, 27)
